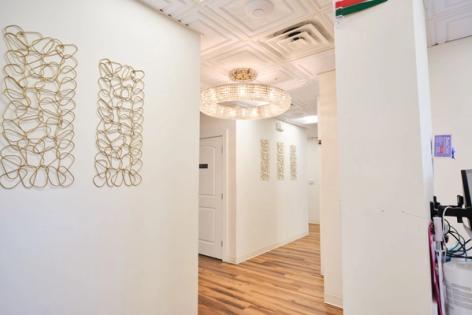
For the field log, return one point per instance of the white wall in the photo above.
(260, 215)
(269, 213)
(83, 250)
(385, 159)
(312, 169)
(451, 102)
(330, 212)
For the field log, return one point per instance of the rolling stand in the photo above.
(458, 211)
(455, 276)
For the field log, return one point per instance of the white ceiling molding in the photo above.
(448, 20)
(288, 42)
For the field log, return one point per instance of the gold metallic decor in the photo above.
(293, 162)
(120, 130)
(280, 161)
(243, 74)
(37, 126)
(265, 160)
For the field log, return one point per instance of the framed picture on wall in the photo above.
(443, 146)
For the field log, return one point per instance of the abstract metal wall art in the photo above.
(37, 126)
(293, 162)
(265, 164)
(120, 130)
(280, 161)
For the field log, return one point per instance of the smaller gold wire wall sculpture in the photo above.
(37, 122)
(265, 166)
(293, 162)
(280, 161)
(120, 130)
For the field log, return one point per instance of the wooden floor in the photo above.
(283, 281)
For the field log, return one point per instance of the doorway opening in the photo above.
(211, 208)
(269, 236)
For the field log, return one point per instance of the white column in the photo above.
(329, 191)
(385, 159)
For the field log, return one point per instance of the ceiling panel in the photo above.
(288, 42)
(254, 17)
(214, 34)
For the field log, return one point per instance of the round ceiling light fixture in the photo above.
(259, 8)
(243, 99)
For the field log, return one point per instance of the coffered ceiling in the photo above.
(288, 42)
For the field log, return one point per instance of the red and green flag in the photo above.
(346, 7)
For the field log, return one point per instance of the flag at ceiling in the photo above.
(346, 7)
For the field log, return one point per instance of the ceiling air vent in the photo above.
(301, 40)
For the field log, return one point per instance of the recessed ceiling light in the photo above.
(258, 12)
(307, 120)
(259, 8)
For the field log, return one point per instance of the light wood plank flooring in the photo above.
(286, 280)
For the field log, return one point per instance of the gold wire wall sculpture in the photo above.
(265, 160)
(280, 161)
(293, 162)
(120, 130)
(37, 125)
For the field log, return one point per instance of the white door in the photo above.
(210, 236)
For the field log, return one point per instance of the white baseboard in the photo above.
(333, 300)
(231, 260)
(268, 248)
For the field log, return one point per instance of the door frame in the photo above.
(224, 188)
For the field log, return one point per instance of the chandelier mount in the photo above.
(243, 75)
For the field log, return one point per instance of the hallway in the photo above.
(286, 280)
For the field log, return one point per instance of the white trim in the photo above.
(269, 248)
(333, 300)
(162, 13)
(224, 172)
(231, 260)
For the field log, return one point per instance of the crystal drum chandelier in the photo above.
(243, 99)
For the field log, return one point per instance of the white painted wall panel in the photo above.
(269, 213)
(83, 250)
(451, 101)
(313, 180)
(330, 212)
(385, 159)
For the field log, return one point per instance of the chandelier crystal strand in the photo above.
(244, 101)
